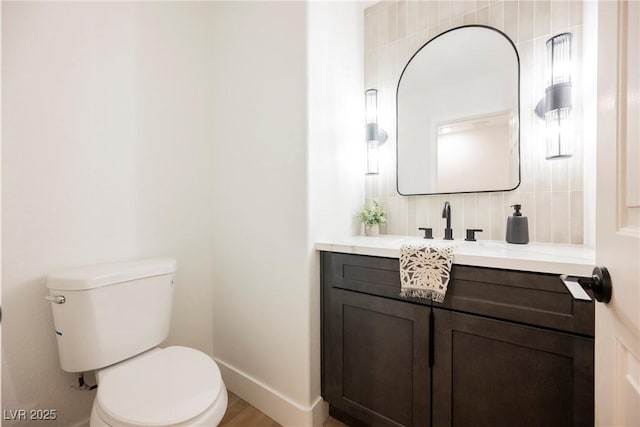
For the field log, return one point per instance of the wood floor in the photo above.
(241, 414)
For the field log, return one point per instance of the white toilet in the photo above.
(111, 318)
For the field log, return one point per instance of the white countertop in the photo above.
(538, 257)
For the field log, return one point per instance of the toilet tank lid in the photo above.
(95, 276)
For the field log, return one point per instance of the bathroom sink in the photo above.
(538, 257)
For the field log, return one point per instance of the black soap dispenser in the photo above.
(517, 227)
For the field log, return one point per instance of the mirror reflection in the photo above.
(458, 115)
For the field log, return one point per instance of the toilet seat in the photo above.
(165, 387)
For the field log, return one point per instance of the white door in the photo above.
(617, 358)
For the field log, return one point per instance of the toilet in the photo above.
(111, 318)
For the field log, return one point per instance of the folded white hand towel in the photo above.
(425, 270)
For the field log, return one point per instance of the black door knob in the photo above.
(599, 283)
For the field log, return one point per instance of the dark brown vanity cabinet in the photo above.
(489, 372)
(376, 359)
(506, 348)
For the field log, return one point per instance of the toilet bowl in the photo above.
(110, 319)
(174, 386)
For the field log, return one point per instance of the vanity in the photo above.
(513, 342)
(509, 346)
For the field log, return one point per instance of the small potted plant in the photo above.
(372, 218)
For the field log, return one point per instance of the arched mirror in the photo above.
(458, 115)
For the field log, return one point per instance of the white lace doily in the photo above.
(425, 270)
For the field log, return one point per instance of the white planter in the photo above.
(372, 229)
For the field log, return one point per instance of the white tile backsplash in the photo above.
(432, 14)
(575, 13)
(560, 225)
(577, 220)
(496, 15)
(470, 208)
(392, 20)
(469, 18)
(542, 217)
(559, 16)
(542, 11)
(482, 16)
(511, 19)
(444, 12)
(525, 20)
(551, 192)
(469, 6)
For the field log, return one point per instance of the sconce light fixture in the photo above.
(374, 135)
(555, 107)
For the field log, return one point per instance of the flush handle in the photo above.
(58, 299)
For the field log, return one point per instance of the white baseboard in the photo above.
(278, 407)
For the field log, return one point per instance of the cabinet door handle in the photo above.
(431, 339)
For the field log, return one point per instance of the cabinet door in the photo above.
(377, 359)
(494, 373)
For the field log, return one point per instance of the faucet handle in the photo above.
(428, 232)
(471, 234)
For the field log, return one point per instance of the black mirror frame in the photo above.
(515, 49)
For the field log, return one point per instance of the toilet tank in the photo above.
(110, 312)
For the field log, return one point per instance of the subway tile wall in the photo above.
(551, 192)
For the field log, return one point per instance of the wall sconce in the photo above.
(555, 107)
(374, 135)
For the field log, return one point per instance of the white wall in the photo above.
(261, 261)
(106, 156)
(336, 160)
(336, 117)
(289, 170)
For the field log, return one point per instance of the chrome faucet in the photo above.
(446, 213)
